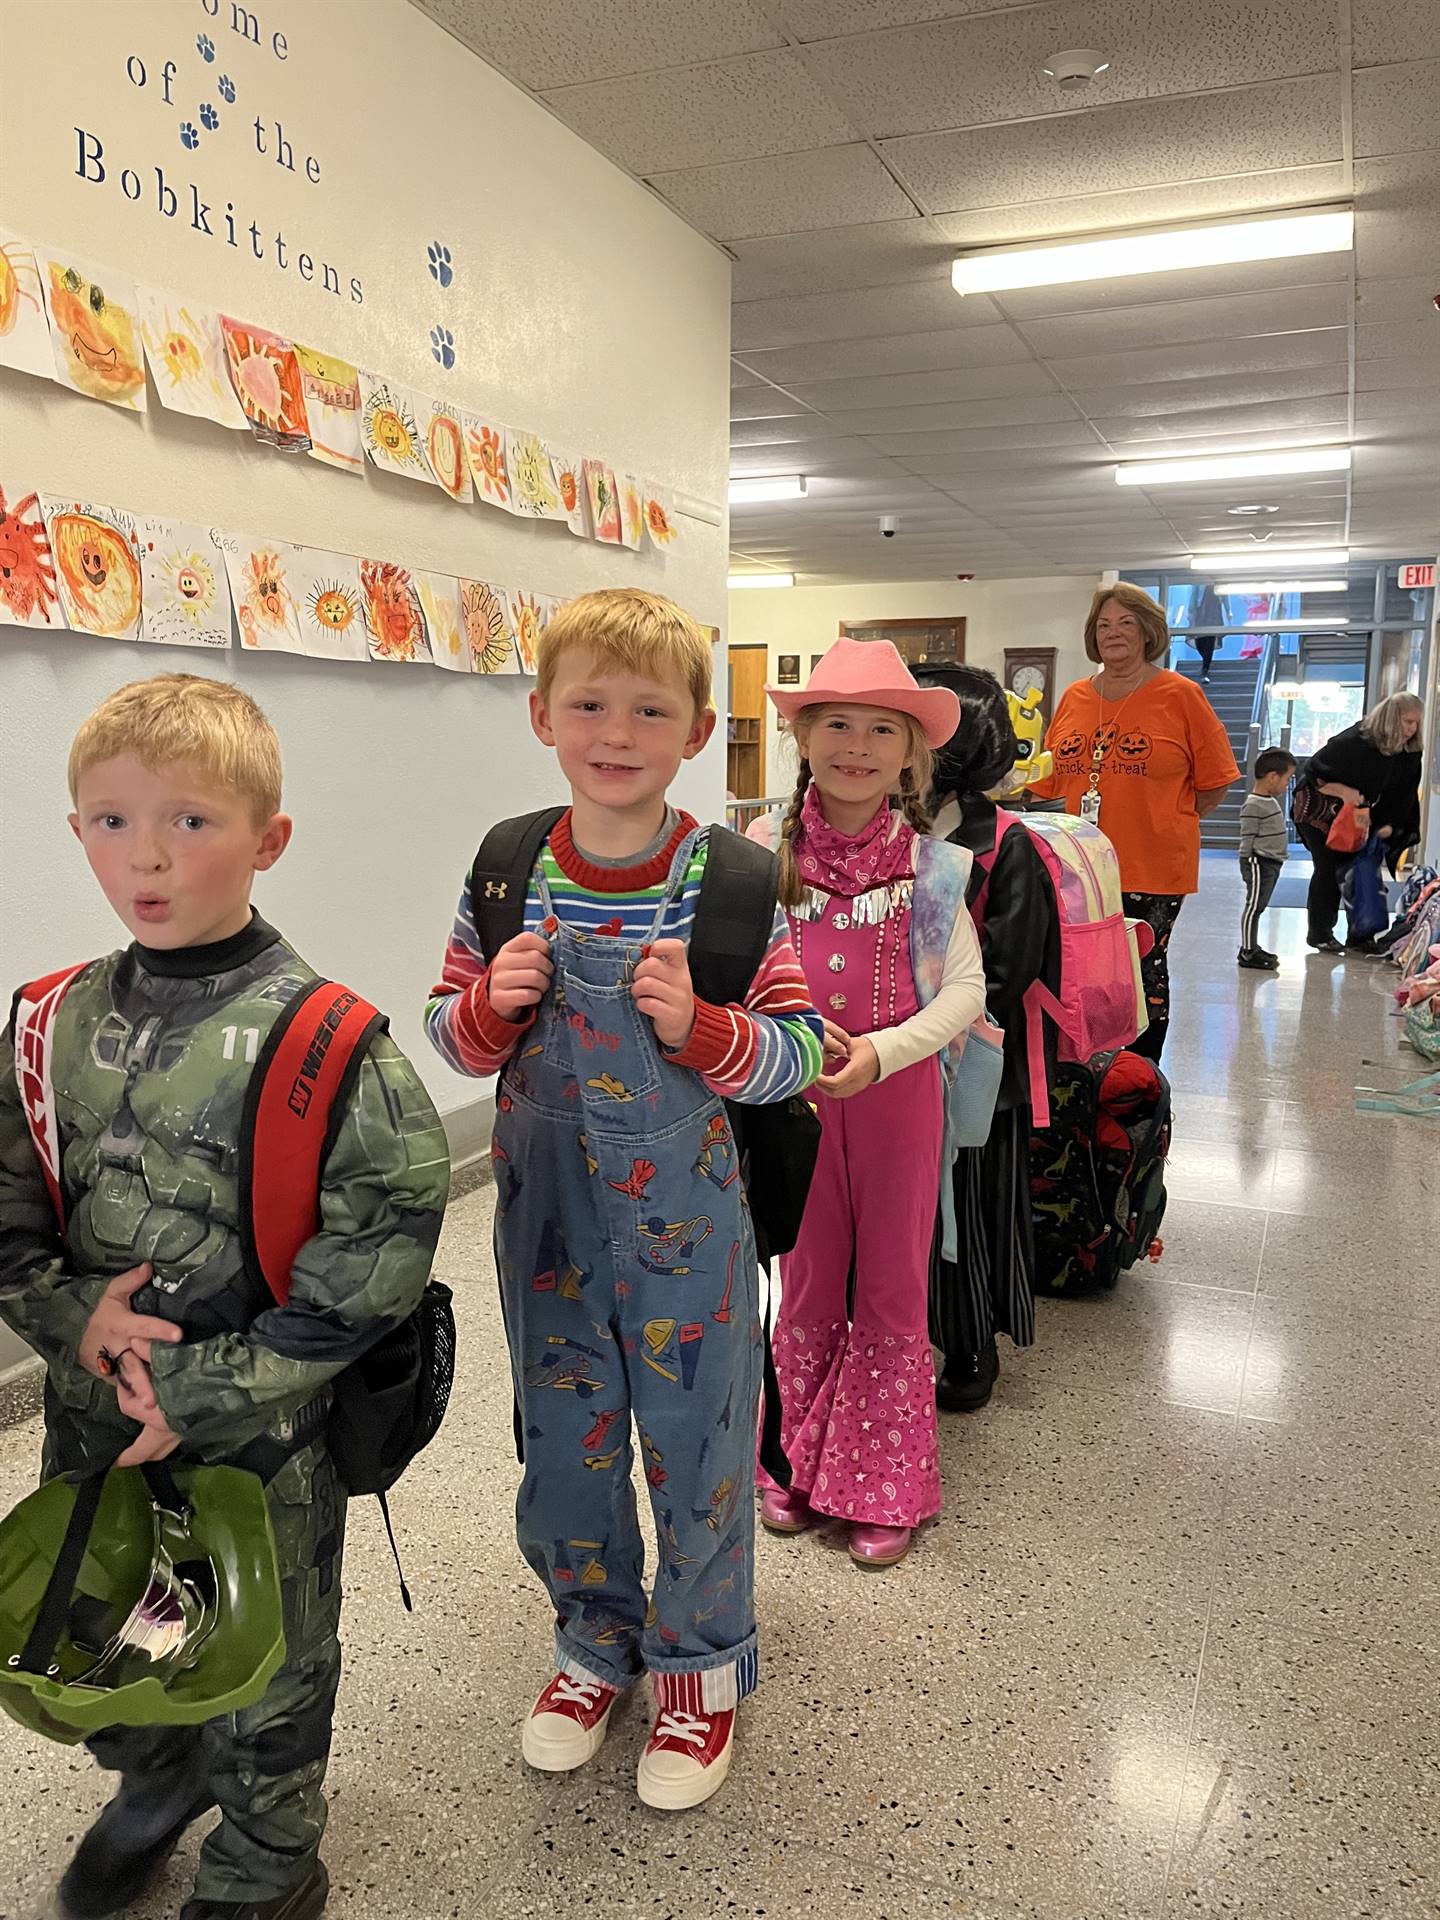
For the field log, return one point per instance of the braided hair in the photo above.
(791, 888)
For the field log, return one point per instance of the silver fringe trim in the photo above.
(865, 910)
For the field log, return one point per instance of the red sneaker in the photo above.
(567, 1724)
(686, 1757)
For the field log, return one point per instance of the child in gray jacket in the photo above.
(1264, 843)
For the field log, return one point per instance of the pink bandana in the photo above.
(842, 864)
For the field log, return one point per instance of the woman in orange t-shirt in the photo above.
(1141, 751)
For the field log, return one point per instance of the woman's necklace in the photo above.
(1105, 736)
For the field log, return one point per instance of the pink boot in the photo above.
(880, 1546)
(786, 1512)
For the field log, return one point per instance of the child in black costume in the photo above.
(989, 1291)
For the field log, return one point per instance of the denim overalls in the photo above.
(629, 1286)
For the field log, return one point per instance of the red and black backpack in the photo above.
(388, 1404)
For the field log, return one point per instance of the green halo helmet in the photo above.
(138, 1597)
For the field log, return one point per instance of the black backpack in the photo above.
(777, 1144)
(1096, 1208)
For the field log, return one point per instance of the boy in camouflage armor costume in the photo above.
(156, 1340)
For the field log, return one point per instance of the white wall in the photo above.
(1045, 612)
(580, 307)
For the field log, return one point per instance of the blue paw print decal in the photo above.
(442, 346)
(441, 268)
(227, 89)
(205, 47)
(189, 134)
(209, 117)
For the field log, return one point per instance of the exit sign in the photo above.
(1417, 576)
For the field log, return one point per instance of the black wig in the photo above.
(983, 748)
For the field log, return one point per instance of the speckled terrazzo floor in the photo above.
(1170, 1651)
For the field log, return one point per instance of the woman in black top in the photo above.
(1376, 766)
(990, 1290)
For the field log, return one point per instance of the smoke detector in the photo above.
(1075, 67)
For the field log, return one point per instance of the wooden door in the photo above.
(745, 749)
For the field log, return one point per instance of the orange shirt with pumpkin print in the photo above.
(1161, 746)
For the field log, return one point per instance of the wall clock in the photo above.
(1032, 670)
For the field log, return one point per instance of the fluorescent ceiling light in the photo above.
(737, 580)
(1283, 586)
(767, 486)
(1286, 621)
(1157, 251)
(1229, 561)
(1233, 466)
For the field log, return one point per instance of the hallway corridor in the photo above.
(1169, 1651)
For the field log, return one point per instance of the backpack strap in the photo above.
(32, 1021)
(734, 916)
(294, 1106)
(500, 877)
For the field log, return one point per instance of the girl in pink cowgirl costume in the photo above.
(890, 956)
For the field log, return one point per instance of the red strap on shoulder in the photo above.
(1004, 820)
(36, 1006)
(293, 1109)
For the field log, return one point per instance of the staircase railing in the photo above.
(1264, 678)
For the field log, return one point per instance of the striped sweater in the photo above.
(760, 1053)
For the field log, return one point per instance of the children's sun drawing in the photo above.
(191, 578)
(27, 579)
(332, 606)
(491, 644)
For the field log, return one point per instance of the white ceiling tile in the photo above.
(787, 193)
(813, 456)
(968, 347)
(961, 73)
(549, 43)
(825, 19)
(1306, 417)
(1021, 467)
(961, 413)
(697, 116)
(1186, 396)
(926, 307)
(1390, 300)
(1247, 315)
(1064, 432)
(1382, 409)
(796, 431)
(1400, 370)
(1419, 340)
(991, 384)
(837, 259)
(1206, 360)
(1087, 212)
(1117, 149)
(1392, 30)
(764, 403)
(1397, 109)
(1397, 216)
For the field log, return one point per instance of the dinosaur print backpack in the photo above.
(1097, 1173)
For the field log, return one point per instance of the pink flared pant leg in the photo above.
(858, 1391)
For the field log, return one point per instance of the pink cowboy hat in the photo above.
(870, 673)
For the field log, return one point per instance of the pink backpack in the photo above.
(1101, 1005)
